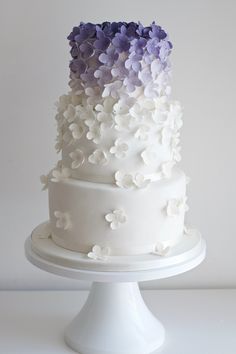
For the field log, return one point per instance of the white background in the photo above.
(34, 58)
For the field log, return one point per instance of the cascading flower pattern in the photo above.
(119, 52)
(119, 79)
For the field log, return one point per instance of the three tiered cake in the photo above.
(116, 190)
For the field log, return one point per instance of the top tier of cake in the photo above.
(118, 123)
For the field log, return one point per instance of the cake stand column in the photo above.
(115, 320)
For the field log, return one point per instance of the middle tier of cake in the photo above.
(127, 222)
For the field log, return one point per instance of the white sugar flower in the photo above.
(63, 220)
(99, 253)
(59, 142)
(161, 250)
(188, 231)
(123, 122)
(116, 218)
(44, 179)
(141, 181)
(94, 95)
(78, 158)
(70, 113)
(77, 130)
(119, 149)
(94, 133)
(174, 118)
(63, 102)
(166, 169)
(45, 232)
(123, 105)
(166, 135)
(175, 206)
(149, 156)
(60, 174)
(188, 179)
(125, 180)
(112, 89)
(104, 115)
(176, 153)
(98, 157)
(142, 132)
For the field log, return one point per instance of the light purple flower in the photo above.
(102, 42)
(121, 41)
(132, 81)
(119, 70)
(157, 32)
(109, 57)
(103, 74)
(133, 62)
(153, 46)
(138, 45)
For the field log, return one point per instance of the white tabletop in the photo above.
(196, 321)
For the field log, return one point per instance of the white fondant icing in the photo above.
(146, 226)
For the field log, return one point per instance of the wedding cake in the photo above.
(116, 190)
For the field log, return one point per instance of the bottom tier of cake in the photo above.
(118, 221)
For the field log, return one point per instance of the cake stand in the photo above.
(114, 319)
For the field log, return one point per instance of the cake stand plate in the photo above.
(114, 319)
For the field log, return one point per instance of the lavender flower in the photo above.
(138, 45)
(132, 81)
(103, 74)
(109, 57)
(121, 41)
(102, 42)
(157, 32)
(133, 62)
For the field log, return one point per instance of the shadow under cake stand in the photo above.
(114, 319)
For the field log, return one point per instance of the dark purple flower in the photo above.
(86, 49)
(74, 51)
(78, 66)
(73, 33)
(121, 41)
(87, 30)
(143, 31)
(109, 57)
(102, 42)
(131, 29)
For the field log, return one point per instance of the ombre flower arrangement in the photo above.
(120, 53)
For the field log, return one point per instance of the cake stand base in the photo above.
(114, 319)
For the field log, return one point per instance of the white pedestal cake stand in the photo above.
(114, 319)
